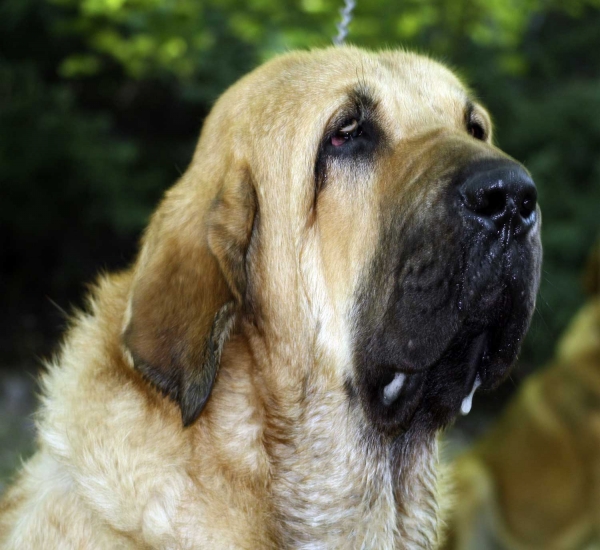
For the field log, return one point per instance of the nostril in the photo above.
(491, 202)
(528, 204)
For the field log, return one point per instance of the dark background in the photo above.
(101, 103)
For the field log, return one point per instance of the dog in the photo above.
(532, 482)
(346, 259)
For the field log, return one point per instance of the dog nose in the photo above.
(501, 196)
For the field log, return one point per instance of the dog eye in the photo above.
(346, 133)
(476, 130)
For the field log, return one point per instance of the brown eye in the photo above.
(476, 130)
(347, 132)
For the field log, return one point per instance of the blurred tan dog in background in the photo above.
(534, 482)
(347, 258)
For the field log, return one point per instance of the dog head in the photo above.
(352, 209)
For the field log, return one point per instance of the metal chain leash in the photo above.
(342, 26)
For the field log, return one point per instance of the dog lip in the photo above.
(476, 356)
(472, 361)
(400, 394)
(400, 379)
(437, 394)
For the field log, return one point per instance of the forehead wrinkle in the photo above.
(416, 92)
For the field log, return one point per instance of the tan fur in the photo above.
(277, 459)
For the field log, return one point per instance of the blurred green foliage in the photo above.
(101, 102)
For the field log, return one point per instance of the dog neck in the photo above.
(333, 481)
(335, 493)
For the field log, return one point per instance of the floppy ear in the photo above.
(189, 285)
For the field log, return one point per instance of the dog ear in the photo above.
(188, 288)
